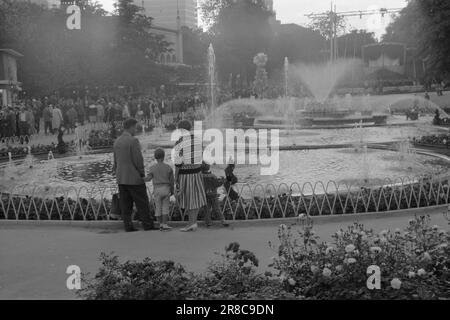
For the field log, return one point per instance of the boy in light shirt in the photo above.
(163, 187)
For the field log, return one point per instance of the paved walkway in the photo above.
(33, 260)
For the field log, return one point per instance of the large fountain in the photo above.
(323, 138)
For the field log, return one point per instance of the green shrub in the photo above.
(234, 277)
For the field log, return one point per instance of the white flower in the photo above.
(411, 274)
(283, 227)
(375, 249)
(426, 256)
(314, 269)
(349, 248)
(443, 245)
(339, 268)
(328, 250)
(356, 252)
(292, 282)
(326, 272)
(412, 221)
(396, 283)
(351, 260)
(421, 272)
(339, 233)
(301, 216)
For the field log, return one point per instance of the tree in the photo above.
(239, 30)
(328, 24)
(107, 51)
(425, 27)
(350, 44)
(195, 46)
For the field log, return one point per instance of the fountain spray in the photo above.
(286, 76)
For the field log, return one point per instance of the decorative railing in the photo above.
(253, 202)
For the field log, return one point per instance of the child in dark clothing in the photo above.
(231, 180)
(211, 183)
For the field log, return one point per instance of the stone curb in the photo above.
(318, 220)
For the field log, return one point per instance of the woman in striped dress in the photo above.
(188, 157)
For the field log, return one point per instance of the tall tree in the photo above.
(240, 29)
(425, 26)
(350, 44)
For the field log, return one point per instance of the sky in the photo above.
(293, 11)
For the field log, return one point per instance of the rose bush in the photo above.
(414, 263)
(232, 278)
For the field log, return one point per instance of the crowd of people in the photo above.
(48, 114)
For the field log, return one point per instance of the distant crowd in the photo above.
(48, 114)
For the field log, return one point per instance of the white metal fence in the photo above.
(253, 202)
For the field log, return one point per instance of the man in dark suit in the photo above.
(130, 173)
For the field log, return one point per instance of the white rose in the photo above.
(411, 274)
(339, 268)
(292, 282)
(375, 249)
(351, 260)
(426, 256)
(349, 248)
(326, 272)
(314, 269)
(396, 283)
(421, 272)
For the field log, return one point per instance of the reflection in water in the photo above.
(340, 165)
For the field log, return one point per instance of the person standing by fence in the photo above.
(47, 115)
(57, 119)
(129, 169)
(188, 158)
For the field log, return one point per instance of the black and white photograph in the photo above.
(225, 156)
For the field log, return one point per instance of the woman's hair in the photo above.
(184, 124)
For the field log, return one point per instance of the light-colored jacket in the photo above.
(57, 118)
(128, 160)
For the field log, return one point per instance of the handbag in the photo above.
(116, 213)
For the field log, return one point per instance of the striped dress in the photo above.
(188, 159)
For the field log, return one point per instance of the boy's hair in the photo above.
(159, 154)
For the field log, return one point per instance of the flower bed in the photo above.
(423, 193)
(442, 140)
(36, 150)
(104, 138)
(414, 263)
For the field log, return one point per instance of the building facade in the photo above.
(165, 12)
(9, 84)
